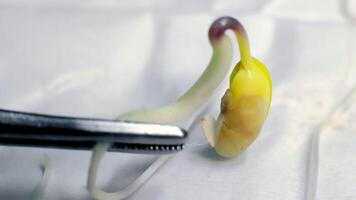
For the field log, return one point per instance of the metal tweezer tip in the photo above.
(37, 130)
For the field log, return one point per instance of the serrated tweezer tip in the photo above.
(37, 130)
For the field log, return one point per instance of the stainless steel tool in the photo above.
(37, 130)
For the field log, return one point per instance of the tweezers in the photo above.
(38, 130)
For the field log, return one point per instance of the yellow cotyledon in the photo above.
(245, 104)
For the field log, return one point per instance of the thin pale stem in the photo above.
(201, 90)
(313, 157)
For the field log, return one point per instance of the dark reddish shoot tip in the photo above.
(218, 28)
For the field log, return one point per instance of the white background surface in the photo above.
(103, 58)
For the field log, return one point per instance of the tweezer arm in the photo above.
(28, 129)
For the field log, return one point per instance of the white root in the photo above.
(99, 152)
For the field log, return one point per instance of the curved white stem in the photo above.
(202, 89)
